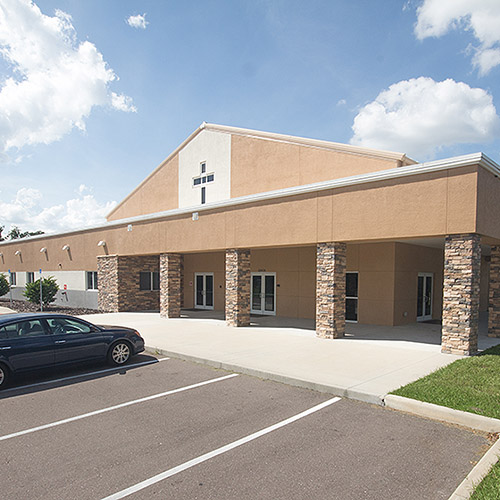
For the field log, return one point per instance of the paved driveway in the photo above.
(172, 429)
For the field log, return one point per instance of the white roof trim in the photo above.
(394, 173)
(336, 146)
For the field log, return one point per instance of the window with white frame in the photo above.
(30, 277)
(149, 280)
(13, 279)
(91, 280)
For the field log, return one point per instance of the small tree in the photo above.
(4, 285)
(49, 291)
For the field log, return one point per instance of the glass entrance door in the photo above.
(424, 297)
(204, 291)
(263, 293)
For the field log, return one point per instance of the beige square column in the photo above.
(462, 270)
(494, 299)
(330, 289)
(237, 287)
(170, 285)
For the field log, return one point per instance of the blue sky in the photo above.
(420, 77)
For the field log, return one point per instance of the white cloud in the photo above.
(436, 17)
(138, 21)
(26, 212)
(55, 81)
(419, 116)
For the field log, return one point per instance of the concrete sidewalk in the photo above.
(360, 368)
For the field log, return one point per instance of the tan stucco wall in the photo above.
(259, 165)
(426, 205)
(156, 193)
(409, 261)
(488, 205)
(204, 263)
(387, 279)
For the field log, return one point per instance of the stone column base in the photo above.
(462, 268)
(237, 287)
(330, 290)
(170, 285)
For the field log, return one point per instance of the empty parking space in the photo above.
(217, 435)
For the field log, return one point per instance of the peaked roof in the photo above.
(271, 136)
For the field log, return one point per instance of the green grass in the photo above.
(489, 488)
(469, 384)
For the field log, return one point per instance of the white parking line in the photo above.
(115, 407)
(207, 456)
(82, 375)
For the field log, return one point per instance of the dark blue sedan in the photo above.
(33, 341)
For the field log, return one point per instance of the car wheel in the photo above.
(4, 376)
(119, 353)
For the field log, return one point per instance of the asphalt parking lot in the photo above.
(172, 429)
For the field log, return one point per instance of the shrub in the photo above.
(4, 285)
(49, 291)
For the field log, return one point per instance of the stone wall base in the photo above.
(462, 270)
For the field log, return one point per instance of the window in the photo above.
(203, 196)
(30, 277)
(61, 326)
(22, 329)
(203, 179)
(351, 296)
(13, 280)
(91, 280)
(149, 280)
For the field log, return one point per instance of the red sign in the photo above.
(65, 287)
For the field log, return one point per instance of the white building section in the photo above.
(205, 169)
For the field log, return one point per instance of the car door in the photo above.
(75, 340)
(26, 345)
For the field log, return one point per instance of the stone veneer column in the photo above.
(330, 289)
(462, 270)
(170, 285)
(494, 299)
(107, 279)
(237, 287)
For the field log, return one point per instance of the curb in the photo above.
(476, 475)
(436, 412)
(275, 377)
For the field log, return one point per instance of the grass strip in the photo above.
(469, 384)
(489, 488)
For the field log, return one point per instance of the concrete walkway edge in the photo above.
(275, 377)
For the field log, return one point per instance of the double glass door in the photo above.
(263, 293)
(424, 297)
(204, 291)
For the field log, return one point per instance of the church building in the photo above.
(250, 222)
